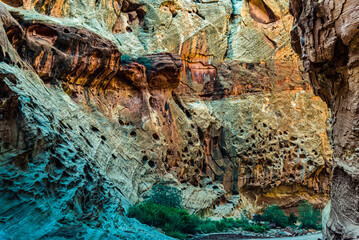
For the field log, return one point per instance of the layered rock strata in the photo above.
(326, 37)
(51, 185)
(143, 99)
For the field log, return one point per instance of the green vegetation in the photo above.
(178, 222)
(309, 216)
(163, 209)
(273, 214)
(292, 219)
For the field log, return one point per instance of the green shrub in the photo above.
(178, 222)
(163, 194)
(292, 219)
(169, 219)
(309, 216)
(257, 228)
(176, 234)
(273, 214)
(208, 226)
(257, 218)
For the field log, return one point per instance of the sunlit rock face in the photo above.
(326, 37)
(108, 98)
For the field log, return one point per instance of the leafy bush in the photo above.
(171, 220)
(257, 218)
(257, 228)
(273, 214)
(178, 222)
(309, 216)
(166, 195)
(292, 219)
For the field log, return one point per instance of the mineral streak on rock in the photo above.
(51, 185)
(326, 37)
(212, 99)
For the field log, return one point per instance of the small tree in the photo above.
(273, 214)
(166, 195)
(309, 216)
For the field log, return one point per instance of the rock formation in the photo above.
(100, 100)
(326, 37)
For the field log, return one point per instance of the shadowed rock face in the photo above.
(326, 37)
(232, 135)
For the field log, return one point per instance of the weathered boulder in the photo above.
(325, 35)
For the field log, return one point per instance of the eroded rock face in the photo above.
(50, 187)
(325, 36)
(232, 135)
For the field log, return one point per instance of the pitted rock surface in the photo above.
(206, 95)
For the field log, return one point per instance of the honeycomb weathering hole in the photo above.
(42, 32)
(260, 12)
(13, 3)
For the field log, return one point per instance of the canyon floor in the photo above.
(230, 236)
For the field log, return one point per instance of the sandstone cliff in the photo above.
(102, 99)
(326, 37)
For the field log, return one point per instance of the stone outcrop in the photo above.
(325, 35)
(51, 186)
(137, 92)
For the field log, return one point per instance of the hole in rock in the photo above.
(42, 32)
(151, 164)
(155, 136)
(133, 134)
(13, 3)
(260, 12)
(145, 158)
(94, 129)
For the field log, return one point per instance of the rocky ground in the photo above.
(233, 236)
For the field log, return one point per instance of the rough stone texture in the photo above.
(326, 37)
(51, 185)
(235, 134)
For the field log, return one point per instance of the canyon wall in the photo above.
(326, 37)
(100, 100)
